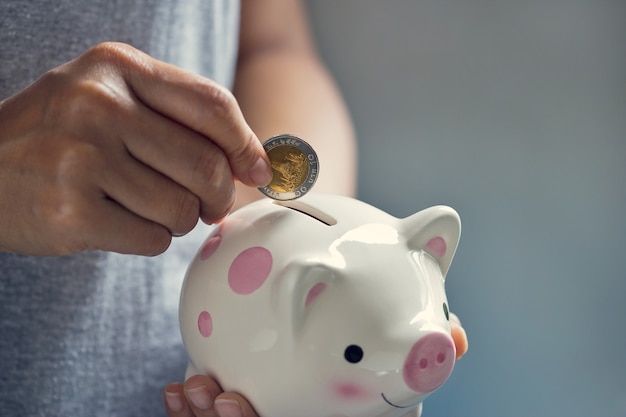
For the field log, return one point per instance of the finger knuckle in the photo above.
(241, 152)
(222, 103)
(66, 167)
(76, 161)
(155, 241)
(210, 169)
(186, 214)
(110, 52)
(67, 220)
(238, 138)
(219, 206)
(211, 174)
(86, 102)
(85, 85)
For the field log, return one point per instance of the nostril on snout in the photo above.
(429, 362)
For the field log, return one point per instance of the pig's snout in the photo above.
(429, 362)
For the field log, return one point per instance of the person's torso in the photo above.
(97, 333)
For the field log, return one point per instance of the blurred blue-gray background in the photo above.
(513, 113)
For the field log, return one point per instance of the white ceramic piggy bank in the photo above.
(323, 307)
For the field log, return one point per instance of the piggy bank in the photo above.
(323, 307)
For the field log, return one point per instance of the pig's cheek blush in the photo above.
(351, 391)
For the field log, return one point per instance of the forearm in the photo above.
(285, 91)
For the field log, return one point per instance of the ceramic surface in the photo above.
(323, 307)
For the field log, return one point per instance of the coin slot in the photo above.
(318, 215)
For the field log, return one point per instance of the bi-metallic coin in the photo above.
(295, 167)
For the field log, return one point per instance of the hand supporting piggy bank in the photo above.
(323, 307)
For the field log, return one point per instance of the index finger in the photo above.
(204, 106)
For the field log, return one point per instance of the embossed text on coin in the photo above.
(295, 166)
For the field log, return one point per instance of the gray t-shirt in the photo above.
(97, 333)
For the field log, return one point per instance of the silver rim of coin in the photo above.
(295, 166)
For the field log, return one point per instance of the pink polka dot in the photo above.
(249, 270)
(205, 324)
(436, 247)
(210, 247)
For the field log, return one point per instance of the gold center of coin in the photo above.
(290, 168)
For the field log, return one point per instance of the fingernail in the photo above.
(199, 397)
(261, 173)
(174, 401)
(228, 408)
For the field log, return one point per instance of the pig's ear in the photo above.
(299, 287)
(435, 230)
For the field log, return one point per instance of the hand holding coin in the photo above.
(295, 167)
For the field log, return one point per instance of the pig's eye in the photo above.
(446, 312)
(353, 354)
